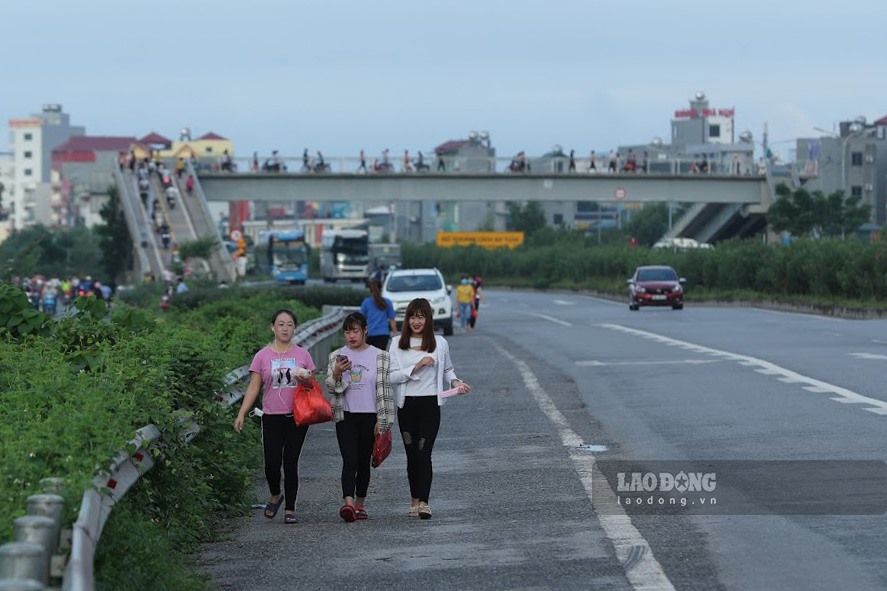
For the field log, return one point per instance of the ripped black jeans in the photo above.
(419, 422)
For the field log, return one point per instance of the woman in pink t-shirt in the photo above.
(363, 407)
(276, 370)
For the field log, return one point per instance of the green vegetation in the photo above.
(73, 392)
(813, 214)
(39, 250)
(826, 272)
(114, 239)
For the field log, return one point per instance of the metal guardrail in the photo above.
(221, 258)
(36, 560)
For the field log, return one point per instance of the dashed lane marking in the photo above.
(596, 363)
(842, 395)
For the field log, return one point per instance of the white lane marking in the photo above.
(868, 356)
(879, 407)
(551, 319)
(563, 303)
(596, 363)
(642, 573)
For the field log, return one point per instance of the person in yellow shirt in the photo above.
(465, 299)
(240, 258)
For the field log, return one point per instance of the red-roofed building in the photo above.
(211, 136)
(84, 148)
(82, 171)
(474, 154)
(155, 141)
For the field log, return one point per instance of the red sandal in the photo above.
(347, 513)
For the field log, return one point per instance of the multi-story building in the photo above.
(32, 140)
(7, 177)
(853, 161)
(82, 171)
(699, 134)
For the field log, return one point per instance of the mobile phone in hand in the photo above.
(343, 358)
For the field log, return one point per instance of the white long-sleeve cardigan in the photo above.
(401, 373)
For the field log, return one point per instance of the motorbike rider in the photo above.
(165, 236)
(320, 165)
(420, 162)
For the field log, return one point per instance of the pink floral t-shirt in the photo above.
(278, 371)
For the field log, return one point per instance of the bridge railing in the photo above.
(36, 560)
(683, 165)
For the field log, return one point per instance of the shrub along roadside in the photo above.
(849, 273)
(72, 397)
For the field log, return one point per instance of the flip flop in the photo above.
(360, 513)
(290, 518)
(273, 508)
(347, 513)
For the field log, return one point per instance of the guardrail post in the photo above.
(39, 530)
(24, 561)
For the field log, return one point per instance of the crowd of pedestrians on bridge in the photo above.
(613, 162)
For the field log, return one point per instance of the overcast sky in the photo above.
(344, 75)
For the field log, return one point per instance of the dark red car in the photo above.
(655, 285)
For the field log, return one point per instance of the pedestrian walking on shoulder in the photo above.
(478, 284)
(420, 366)
(379, 314)
(592, 162)
(571, 167)
(465, 299)
(363, 162)
(363, 407)
(276, 370)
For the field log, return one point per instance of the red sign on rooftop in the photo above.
(696, 113)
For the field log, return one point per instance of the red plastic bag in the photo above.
(310, 406)
(381, 448)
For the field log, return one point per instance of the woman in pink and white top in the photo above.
(363, 407)
(276, 370)
(420, 364)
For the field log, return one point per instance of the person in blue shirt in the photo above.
(379, 313)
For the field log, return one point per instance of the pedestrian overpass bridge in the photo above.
(609, 188)
(723, 205)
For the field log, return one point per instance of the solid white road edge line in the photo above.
(644, 574)
(843, 395)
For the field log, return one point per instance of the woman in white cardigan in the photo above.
(420, 364)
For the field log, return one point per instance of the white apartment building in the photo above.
(7, 178)
(32, 140)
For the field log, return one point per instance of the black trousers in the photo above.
(380, 341)
(356, 436)
(282, 442)
(419, 421)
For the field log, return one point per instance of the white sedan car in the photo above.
(404, 285)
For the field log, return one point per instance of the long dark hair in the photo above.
(418, 307)
(376, 293)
